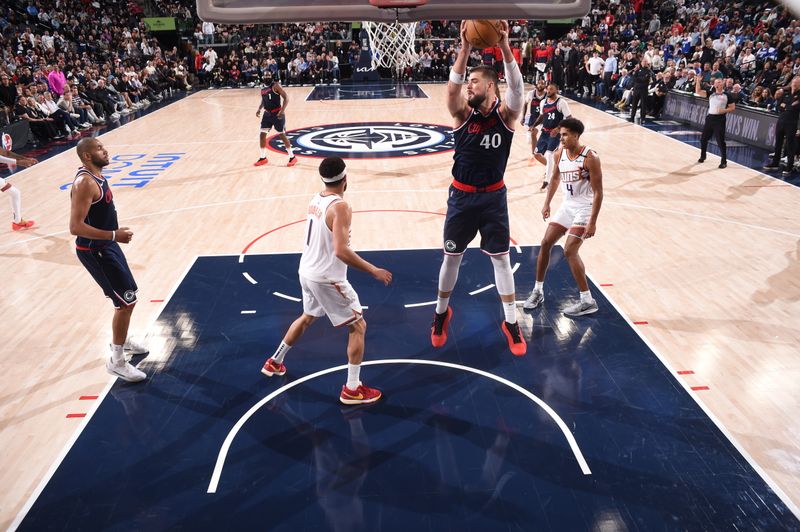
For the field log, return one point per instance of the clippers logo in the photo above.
(449, 246)
(6, 141)
(129, 296)
(369, 140)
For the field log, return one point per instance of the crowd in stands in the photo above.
(66, 66)
(69, 65)
(754, 47)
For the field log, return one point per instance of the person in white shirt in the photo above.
(323, 280)
(208, 33)
(594, 67)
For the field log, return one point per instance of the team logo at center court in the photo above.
(368, 140)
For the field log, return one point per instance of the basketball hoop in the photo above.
(392, 43)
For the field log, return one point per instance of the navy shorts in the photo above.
(547, 143)
(532, 119)
(270, 120)
(470, 213)
(110, 269)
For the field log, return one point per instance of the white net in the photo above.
(392, 44)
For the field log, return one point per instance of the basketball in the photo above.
(483, 33)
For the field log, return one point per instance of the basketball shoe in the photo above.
(261, 161)
(292, 161)
(362, 395)
(23, 224)
(441, 322)
(534, 300)
(516, 343)
(582, 307)
(125, 371)
(273, 368)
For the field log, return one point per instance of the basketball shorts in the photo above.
(572, 214)
(3, 182)
(470, 213)
(532, 119)
(110, 270)
(271, 120)
(337, 300)
(547, 143)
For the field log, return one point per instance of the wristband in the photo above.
(113, 236)
(457, 78)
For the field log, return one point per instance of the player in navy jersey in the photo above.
(93, 219)
(552, 111)
(477, 200)
(274, 116)
(529, 116)
(11, 159)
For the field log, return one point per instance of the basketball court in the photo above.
(673, 407)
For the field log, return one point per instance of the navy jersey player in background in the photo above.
(93, 219)
(477, 200)
(274, 116)
(552, 111)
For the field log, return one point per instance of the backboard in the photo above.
(273, 11)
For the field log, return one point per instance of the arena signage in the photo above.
(746, 125)
(368, 140)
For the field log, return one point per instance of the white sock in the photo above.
(281, 352)
(539, 287)
(353, 373)
(586, 297)
(117, 355)
(289, 151)
(510, 310)
(16, 203)
(263, 153)
(441, 304)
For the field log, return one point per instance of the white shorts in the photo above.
(338, 301)
(571, 214)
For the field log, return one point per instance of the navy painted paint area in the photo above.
(444, 450)
(367, 91)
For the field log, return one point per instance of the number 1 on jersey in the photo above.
(310, 225)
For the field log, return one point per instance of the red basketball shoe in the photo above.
(261, 161)
(23, 224)
(441, 322)
(516, 343)
(292, 161)
(362, 395)
(273, 368)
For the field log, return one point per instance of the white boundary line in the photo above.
(65, 450)
(763, 474)
(284, 296)
(249, 278)
(248, 312)
(223, 452)
(424, 304)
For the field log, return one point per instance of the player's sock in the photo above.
(510, 310)
(441, 304)
(117, 354)
(263, 153)
(586, 297)
(290, 151)
(539, 286)
(16, 202)
(353, 374)
(281, 352)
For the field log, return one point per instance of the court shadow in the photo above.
(782, 286)
(54, 253)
